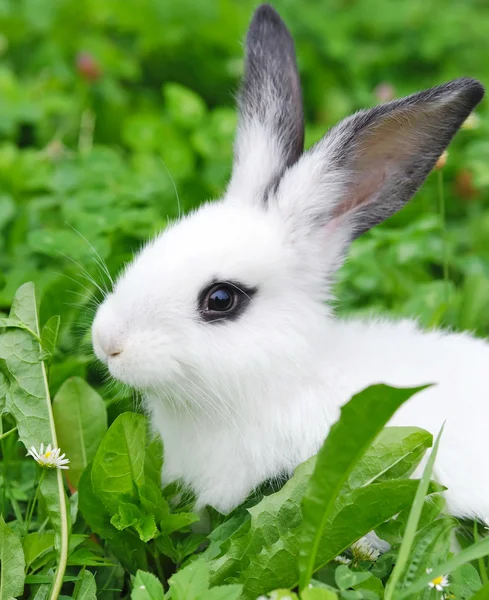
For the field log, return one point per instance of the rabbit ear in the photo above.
(367, 167)
(270, 134)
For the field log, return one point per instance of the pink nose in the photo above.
(110, 347)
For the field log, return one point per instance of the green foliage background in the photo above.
(110, 109)
(117, 114)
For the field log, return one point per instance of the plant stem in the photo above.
(7, 433)
(63, 511)
(33, 503)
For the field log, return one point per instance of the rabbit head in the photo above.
(237, 290)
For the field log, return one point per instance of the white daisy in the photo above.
(362, 550)
(439, 583)
(49, 459)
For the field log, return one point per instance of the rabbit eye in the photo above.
(221, 299)
(224, 300)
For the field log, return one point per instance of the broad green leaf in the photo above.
(118, 467)
(95, 514)
(395, 454)
(81, 422)
(190, 582)
(146, 587)
(86, 588)
(37, 544)
(12, 563)
(361, 420)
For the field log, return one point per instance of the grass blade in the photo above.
(412, 525)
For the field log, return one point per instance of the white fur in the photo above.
(239, 402)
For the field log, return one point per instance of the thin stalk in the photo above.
(30, 510)
(7, 433)
(63, 511)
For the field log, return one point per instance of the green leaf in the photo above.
(395, 454)
(146, 587)
(482, 594)
(97, 517)
(431, 546)
(465, 556)
(318, 593)
(223, 592)
(85, 588)
(345, 578)
(12, 563)
(361, 420)
(36, 545)
(146, 527)
(127, 516)
(190, 582)
(81, 422)
(118, 467)
(412, 523)
(49, 336)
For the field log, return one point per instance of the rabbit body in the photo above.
(224, 322)
(223, 463)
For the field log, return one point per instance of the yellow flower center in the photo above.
(48, 454)
(437, 580)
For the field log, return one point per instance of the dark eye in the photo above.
(221, 299)
(225, 300)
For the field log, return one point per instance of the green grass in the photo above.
(116, 116)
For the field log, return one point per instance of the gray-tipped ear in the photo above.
(270, 134)
(367, 167)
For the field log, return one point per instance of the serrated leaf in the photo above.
(81, 422)
(127, 516)
(146, 587)
(118, 467)
(361, 420)
(12, 563)
(146, 527)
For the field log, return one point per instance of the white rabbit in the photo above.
(223, 321)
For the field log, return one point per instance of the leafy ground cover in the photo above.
(116, 116)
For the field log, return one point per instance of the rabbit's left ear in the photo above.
(270, 134)
(368, 166)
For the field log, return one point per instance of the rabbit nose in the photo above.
(110, 347)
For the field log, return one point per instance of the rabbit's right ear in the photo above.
(270, 134)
